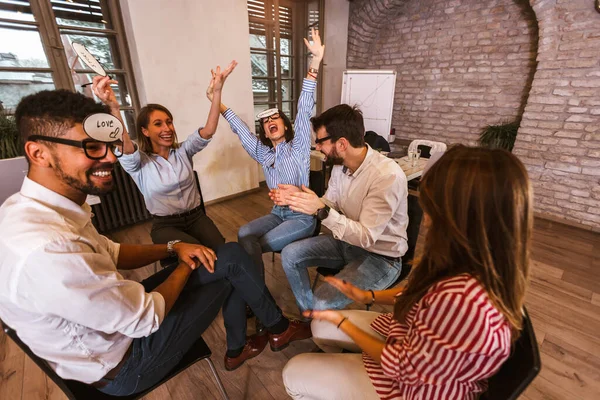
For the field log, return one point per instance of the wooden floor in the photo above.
(563, 302)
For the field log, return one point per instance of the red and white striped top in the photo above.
(453, 339)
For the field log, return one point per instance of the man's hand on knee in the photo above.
(196, 254)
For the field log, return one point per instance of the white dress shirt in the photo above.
(369, 206)
(168, 186)
(60, 289)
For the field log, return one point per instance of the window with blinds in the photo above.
(36, 51)
(277, 52)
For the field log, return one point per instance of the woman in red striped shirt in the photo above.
(454, 322)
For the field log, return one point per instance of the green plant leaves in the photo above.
(501, 136)
(11, 144)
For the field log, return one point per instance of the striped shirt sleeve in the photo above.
(306, 102)
(250, 142)
(451, 330)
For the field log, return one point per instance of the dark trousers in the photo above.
(197, 228)
(235, 282)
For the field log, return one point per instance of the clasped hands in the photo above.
(298, 199)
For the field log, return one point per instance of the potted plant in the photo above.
(10, 141)
(499, 136)
(13, 166)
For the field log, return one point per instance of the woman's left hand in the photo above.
(218, 77)
(333, 316)
(316, 48)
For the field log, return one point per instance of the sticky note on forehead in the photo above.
(103, 127)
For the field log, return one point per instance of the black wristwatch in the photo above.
(323, 213)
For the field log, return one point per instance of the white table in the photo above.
(411, 171)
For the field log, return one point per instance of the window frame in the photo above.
(46, 25)
(298, 53)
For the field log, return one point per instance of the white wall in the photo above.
(173, 46)
(336, 44)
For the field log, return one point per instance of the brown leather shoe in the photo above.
(298, 330)
(254, 346)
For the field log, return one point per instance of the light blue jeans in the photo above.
(273, 232)
(357, 266)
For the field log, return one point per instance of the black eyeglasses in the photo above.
(323, 139)
(271, 118)
(93, 149)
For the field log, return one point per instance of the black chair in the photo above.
(199, 192)
(75, 390)
(425, 150)
(376, 141)
(520, 368)
(415, 215)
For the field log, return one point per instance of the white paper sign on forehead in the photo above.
(88, 58)
(103, 127)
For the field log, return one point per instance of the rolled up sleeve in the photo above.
(72, 281)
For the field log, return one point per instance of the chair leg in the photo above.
(273, 257)
(219, 383)
(314, 285)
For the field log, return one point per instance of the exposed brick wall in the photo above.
(465, 64)
(559, 138)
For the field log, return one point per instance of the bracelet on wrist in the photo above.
(372, 297)
(341, 322)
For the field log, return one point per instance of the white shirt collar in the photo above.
(81, 215)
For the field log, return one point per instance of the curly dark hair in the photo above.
(53, 112)
(289, 132)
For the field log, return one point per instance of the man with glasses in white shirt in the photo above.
(365, 208)
(59, 285)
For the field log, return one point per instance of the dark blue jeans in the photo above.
(154, 356)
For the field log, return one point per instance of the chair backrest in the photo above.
(200, 192)
(75, 390)
(376, 141)
(519, 370)
(317, 182)
(436, 147)
(38, 361)
(425, 150)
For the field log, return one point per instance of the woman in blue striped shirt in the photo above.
(284, 153)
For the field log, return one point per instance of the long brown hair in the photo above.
(142, 121)
(479, 203)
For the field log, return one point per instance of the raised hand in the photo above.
(349, 290)
(192, 254)
(316, 48)
(219, 78)
(102, 89)
(210, 91)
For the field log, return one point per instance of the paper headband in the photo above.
(267, 113)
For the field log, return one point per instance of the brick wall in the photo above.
(465, 64)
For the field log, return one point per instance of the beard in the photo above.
(87, 186)
(333, 158)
